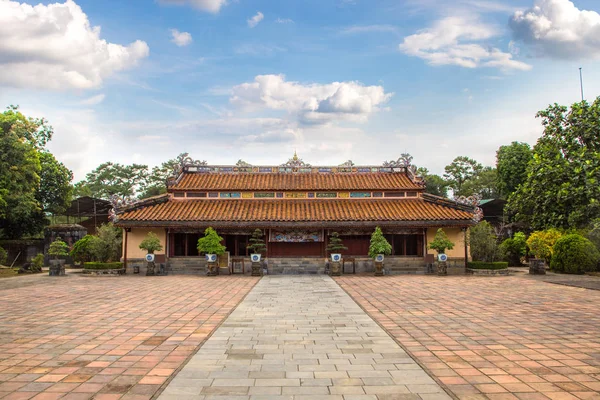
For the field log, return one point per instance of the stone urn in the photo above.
(336, 265)
(442, 265)
(57, 268)
(150, 265)
(256, 264)
(211, 264)
(537, 266)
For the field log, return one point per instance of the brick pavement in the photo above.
(497, 338)
(301, 338)
(79, 338)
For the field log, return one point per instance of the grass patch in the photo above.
(487, 265)
(99, 265)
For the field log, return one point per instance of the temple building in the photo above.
(297, 206)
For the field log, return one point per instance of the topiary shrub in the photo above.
(83, 249)
(3, 256)
(487, 265)
(257, 244)
(58, 248)
(483, 243)
(440, 242)
(574, 254)
(211, 243)
(37, 263)
(379, 244)
(336, 244)
(151, 243)
(541, 243)
(512, 249)
(99, 265)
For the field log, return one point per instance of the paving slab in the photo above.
(301, 337)
(496, 338)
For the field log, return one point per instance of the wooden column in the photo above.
(125, 249)
(466, 247)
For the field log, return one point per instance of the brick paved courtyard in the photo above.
(105, 338)
(498, 338)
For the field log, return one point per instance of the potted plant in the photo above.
(57, 249)
(334, 248)
(378, 249)
(211, 245)
(151, 243)
(257, 246)
(441, 243)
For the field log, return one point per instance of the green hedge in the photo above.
(487, 265)
(99, 265)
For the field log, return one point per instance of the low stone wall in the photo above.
(488, 272)
(103, 272)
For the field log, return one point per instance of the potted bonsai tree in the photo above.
(57, 249)
(379, 248)
(211, 245)
(151, 243)
(441, 243)
(334, 247)
(257, 246)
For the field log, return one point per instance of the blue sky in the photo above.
(333, 79)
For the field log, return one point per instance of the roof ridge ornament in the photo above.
(404, 161)
(472, 201)
(296, 162)
(348, 164)
(242, 163)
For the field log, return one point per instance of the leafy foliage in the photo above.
(434, 184)
(157, 180)
(379, 244)
(151, 243)
(58, 248)
(459, 171)
(541, 243)
(514, 248)
(257, 244)
(562, 188)
(594, 233)
(103, 265)
(37, 263)
(3, 256)
(511, 166)
(107, 246)
(483, 242)
(440, 242)
(574, 254)
(211, 243)
(83, 249)
(483, 183)
(336, 244)
(54, 193)
(487, 265)
(113, 178)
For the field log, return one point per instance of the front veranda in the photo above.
(291, 251)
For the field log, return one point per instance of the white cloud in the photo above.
(284, 21)
(457, 41)
(556, 28)
(92, 101)
(255, 20)
(181, 39)
(54, 47)
(211, 6)
(312, 103)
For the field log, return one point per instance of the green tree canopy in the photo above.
(55, 190)
(483, 183)
(157, 180)
(434, 184)
(511, 165)
(115, 179)
(562, 188)
(459, 171)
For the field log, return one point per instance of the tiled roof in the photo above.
(302, 181)
(335, 210)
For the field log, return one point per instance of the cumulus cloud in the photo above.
(457, 41)
(54, 47)
(312, 103)
(255, 20)
(181, 39)
(556, 28)
(211, 6)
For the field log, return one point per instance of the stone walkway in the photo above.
(301, 337)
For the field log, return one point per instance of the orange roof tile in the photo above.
(269, 211)
(302, 181)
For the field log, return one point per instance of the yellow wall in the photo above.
(135, 237)
(455, 235)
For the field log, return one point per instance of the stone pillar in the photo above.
(537, 266)
(378, 268)
(256, 269)
(150, 269)
(57, 268)
(211, 268)
(336, 268)
(442, 268)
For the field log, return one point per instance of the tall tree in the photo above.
(511, 163)
(434, 184)
(562, 188)
(113, 178)
(484, 184)
(55, 190)
(459, 171)
(157, 180)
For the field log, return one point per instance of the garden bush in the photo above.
(83, 249)
(487, 265)
(512, 249)
(3, 256)
(541, 243)
(574, 254)
(379, 244)
(101, 265)
(37, 263)
(58, 248)
(440, 242)
(108, 247)
(483, 243)
(151, 243)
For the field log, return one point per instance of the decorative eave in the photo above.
(122, 205)
(469, 204)
(278, 224)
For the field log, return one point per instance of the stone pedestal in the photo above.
(211, 269)
(57, 268)
(378, 268)
(150, 269)
(336, 268)
(256, 269)
(537, 266)
(442, 268)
